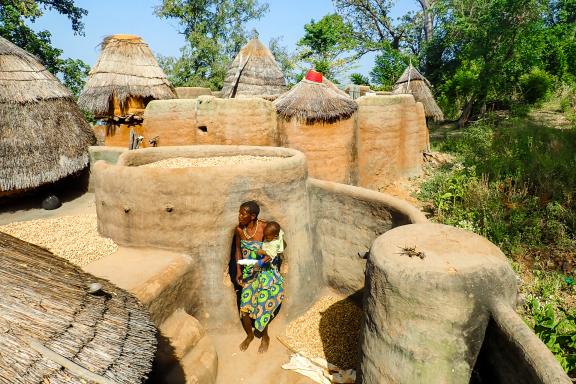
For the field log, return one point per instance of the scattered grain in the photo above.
(329, 330)
(74, 238)
(185, 162)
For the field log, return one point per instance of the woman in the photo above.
(262, 287)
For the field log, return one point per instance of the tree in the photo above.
(285, 59)
(214, 31)
(325, 43)
(388, 67)
(488, 44)
(359, 79)
(14, 16)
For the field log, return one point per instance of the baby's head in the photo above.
(271, 231)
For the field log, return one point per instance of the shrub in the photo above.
(536, 85)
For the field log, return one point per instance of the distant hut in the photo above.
(43, 135)
(415, 83)
(254, 72)
(123, 81)
(55, 329)
(319, 121)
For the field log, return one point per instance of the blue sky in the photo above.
(285, 18)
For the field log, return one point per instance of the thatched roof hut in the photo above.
(52, 330)
(126, 76)
(415, 83)
(254, 72)
(317, 119)
(313, 101)
(43, 135)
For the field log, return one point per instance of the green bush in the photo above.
(557, 331)
(536, 85)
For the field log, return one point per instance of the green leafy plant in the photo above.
(557, 332)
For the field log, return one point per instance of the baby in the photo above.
(272, 245)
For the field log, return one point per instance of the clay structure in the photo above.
(438, 301)
(380, 142)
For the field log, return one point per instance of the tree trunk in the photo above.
(463, 119)
(428, 18)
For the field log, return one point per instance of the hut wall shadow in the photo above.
(340, 328)
(66, 189)
(166, 368)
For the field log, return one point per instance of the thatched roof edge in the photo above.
(313, 102)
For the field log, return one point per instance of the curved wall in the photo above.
(194, 210)
(390, 130)
(345, 221)
(329, 148)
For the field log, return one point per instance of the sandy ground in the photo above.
(234, 366)
(250, 367)
(27, 209)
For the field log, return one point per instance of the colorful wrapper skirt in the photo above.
(263, 288)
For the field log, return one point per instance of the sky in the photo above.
(285, 18)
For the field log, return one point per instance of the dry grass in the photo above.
(413, 82)
(44, 301)
(43, 135)
(254, 72)
(74, 238)
(314, 102)
(329, 330)
(126, 68)
(185, 162)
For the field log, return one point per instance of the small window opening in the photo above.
(203, 129)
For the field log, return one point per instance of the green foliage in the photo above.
(557, 331)
(359, 79)
(388, 67)
(16, 15)
(214, 31)
(536, 85)
(524, 198)
(285, 59)
(324, 44)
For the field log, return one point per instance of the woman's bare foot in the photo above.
(264, 344)
(244, 345)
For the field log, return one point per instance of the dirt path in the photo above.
(250, 367)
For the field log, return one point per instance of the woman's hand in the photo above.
(262, 252)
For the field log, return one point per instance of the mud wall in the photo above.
(382, 142)
(194, 210)
(209, 120)
(390, 139)
(345, 222)
(329, 148)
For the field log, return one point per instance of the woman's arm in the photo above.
(238, 256)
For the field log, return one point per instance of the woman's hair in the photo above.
(252, 207)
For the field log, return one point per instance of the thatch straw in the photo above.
(126, 68)
(413, 82)
(314, 102)
(44, 302)
(43, 135)
(254, 72)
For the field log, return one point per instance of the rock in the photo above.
(51, 202)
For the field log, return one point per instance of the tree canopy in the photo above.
(214, 31)
(13, 17)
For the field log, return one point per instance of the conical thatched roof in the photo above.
(43, 135)
(415, 83)
(126, 68)
(312, 102)
(52, 330)
(254, 72)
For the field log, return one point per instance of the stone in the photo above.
(51, 202)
